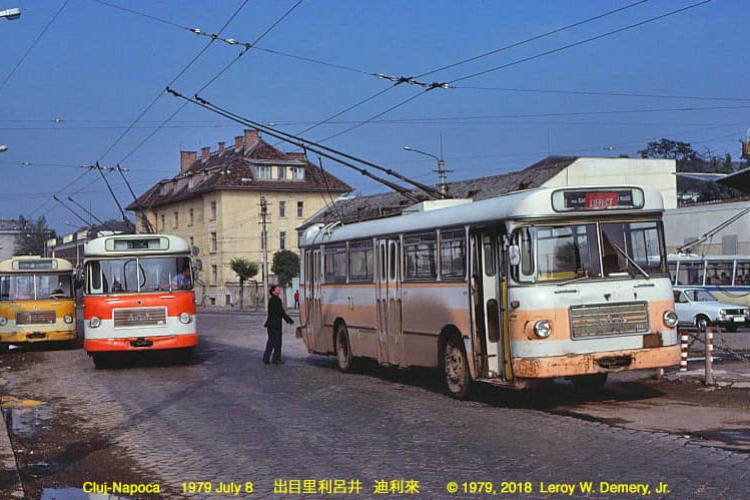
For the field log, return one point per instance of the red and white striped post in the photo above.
(709, 379)
(684, 338)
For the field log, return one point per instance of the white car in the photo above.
(698, 307)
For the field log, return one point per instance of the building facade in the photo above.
(687, 224)
(9, 231)
(214, 202)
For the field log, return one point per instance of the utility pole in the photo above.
(264, 247)
(441, 171)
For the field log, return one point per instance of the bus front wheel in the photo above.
(456, 368)
(101, 361)
(344, 358)
(589, 384)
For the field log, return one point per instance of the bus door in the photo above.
(390, 335)
(313, 295)
(487, 287)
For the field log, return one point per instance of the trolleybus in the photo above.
(727, 277)
(138, 296)
(37, 303)
(532, 285)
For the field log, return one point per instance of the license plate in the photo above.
(738, 320)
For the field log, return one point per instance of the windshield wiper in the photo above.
(577, 278)
(630, 259)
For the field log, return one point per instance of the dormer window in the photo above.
(264, 172)
(281, 172)
(190, 182)
(298, 173)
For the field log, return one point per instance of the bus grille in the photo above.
(608, 319)
(140, 317)
(35, 318)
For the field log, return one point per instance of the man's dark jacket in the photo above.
(276, 313)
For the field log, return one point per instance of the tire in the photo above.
(589, 384)
(183, 356)
(702, 322)
(344, 358)
(456, 368)
(4, 347)
(101, 361)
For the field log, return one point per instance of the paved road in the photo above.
(227, 417)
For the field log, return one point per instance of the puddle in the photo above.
(75, 494)
(24, 417)
(735, 437)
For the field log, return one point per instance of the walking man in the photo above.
(273, 325)
(296, 299)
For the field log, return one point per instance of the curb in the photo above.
(10, 479)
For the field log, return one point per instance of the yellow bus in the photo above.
(37, 302)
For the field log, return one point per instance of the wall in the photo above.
(688, 223)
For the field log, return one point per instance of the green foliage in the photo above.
(285, 266)
(243, 268)
(690, 160)
(32, 239)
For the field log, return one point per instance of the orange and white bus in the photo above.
(37, 303)
(532, 285)
(138, 295)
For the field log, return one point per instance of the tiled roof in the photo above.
(390, 204)
(9, 225)
(235, 169)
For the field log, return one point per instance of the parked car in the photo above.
(698, 307)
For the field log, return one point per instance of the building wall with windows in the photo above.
(685, 224)
(215, 204)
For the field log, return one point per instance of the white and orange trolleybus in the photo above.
(536, 284)
(138, 295)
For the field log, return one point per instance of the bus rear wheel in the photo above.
(344, 358)
(456, 368)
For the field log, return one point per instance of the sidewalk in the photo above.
(10, 480)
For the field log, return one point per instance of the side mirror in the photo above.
(514, 255)
(195, 251)
(78, 277)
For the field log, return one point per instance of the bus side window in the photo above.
(94, 275)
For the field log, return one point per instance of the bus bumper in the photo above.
(600, 362)
(31, 337)
(141, 343)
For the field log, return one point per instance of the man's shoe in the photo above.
(278, 362)
(266, 362)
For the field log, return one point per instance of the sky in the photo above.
(96, 69)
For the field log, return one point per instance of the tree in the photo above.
(32, 240)
(244, 269)
(285, 266)
(667, 148)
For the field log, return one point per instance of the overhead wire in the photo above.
(33, 44)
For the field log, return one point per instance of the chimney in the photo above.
(221, 148)
(186, 159)
(238, 141)
(204, 152)
(251, 137)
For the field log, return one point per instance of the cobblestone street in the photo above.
(227, 417)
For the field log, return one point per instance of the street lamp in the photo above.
(11, 14)
(441, 171)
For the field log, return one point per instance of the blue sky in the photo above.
(97, 68)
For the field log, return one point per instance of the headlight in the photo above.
(185, 318)
(68, 318)
(95, 322)
(3, 321)
(670, 319)
(542, 328)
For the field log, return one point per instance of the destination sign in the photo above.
(596, 199)
(36, 265)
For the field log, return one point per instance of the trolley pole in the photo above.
(264, 247)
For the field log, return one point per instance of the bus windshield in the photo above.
(611, 249)
(35, 287)
(138, 275)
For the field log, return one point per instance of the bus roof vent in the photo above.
(428, 205)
